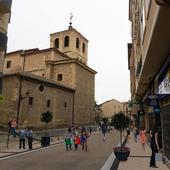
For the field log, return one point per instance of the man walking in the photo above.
(22, 136)
(30, 137)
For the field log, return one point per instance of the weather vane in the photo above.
(71, 16)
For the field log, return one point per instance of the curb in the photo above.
(28, 151)
(112, 162)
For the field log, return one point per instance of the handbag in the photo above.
(158, 156)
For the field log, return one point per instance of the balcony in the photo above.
(155, 45)
(3, 41)
(5, 6)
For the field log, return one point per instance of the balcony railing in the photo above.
(5, 6)
(3, 41)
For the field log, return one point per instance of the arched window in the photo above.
(77, 43)
(66, 41)
(56, 43)
(83, 47)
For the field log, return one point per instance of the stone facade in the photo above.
(111, 107)
(66, 70)
(59, 98)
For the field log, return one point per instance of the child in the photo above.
(68, 137)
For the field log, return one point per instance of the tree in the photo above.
(120, 122)
(46, 117)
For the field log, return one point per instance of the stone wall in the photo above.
(61, 103)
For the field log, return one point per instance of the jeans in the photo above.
(21, 143)
(13, 131)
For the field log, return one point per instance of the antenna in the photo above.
(71, 16)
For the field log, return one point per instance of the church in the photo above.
(56, 79)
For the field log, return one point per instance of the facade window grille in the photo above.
(66, 41)
(56, 43)
(77, 43)
(48, 103)
(30, 100)
(59, 77)
(8, 64)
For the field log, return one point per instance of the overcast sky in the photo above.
(103, 22)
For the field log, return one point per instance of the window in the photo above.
(8, 64)
(30, 100)
(56, 43)
(48, 103)
(59, 77)
(66, 41)
(77, 43)
(83, 47)
(65, 104)
(41, 88)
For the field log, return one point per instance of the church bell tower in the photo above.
(71, 43)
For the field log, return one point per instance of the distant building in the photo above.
(5, 12)
(110, 107)
(64, 73)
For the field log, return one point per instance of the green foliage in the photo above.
(46, 117)
(120, 121)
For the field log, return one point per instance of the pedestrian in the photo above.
(104, 130)
(128, 133)
(13, 127)
(22, 136)
(30, 137)
(76, 138)
(68, 139)
(142, 134)
(90, 130)
(136, 133)
(83, 138)
(154, 146)
(9, 124)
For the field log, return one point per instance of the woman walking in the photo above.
(154, 146)
(143, 137)
(83, 139)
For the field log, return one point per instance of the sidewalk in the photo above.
(13, 147)
(139, 159)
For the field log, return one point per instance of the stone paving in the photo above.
(13, 147)
(57, 158)
(139, 159)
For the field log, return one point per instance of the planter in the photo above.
(45, 141)
(122, 154)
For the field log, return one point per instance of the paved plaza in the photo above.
(57, 158)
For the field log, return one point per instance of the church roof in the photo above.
(72, 61)
(36, 78)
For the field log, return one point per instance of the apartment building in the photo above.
(149, 65)
(5, 12)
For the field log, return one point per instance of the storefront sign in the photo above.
(157, 109)
(153, 102)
